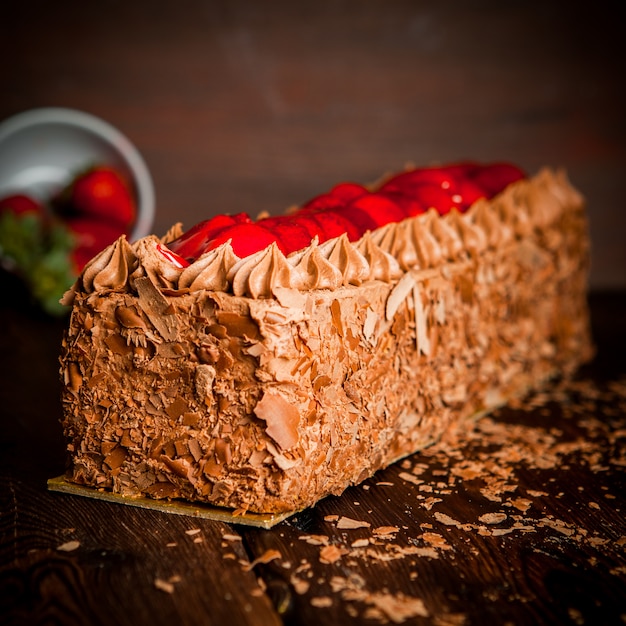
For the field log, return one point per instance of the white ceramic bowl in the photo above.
(41, 150)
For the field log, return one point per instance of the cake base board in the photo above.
(174, 507)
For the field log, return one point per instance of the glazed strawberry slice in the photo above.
(100, 193)
(20, 204)
(322, 202)
(193, 242)
(408, 181)
(465, 193)
(348, 191)
(291, 234)
(445, 177)
(246, 239)
(408, 203)
(495, 178)
(334, 223)
(92, 235)
(172, 257)
(381, 209)
(432, 196)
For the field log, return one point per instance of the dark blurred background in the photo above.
(249, 106)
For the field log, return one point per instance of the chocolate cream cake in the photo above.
(263, 364)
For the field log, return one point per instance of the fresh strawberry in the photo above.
(192, 243)
(20, 204)
(91, 235)
(100, 193)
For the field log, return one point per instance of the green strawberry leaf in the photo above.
(40, 254)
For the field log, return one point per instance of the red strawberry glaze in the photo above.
(380, 208)
(352, 209)
(192, 242)
(172, 257)
(348, 191)
(291, 233)
(245, 238)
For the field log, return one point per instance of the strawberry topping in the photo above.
(352, 209)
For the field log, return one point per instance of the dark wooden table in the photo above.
(520, 521)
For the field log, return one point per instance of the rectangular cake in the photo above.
(263, 382)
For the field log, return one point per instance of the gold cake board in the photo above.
(175, 507)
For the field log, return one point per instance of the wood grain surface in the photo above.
(245, 106)
(517, 519)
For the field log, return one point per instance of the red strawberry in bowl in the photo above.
(20, 204)
(91, 235)
(101, 193)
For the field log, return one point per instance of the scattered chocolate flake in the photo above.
(447, 520)
(410, 478)
(429, 502)
(315, 540)
(192, 531)
(493, 518)
(266, 557)
(321, 602)
(300, 586)
(385, 530)
(166, 585)
(436, 540)
(380, 606)
(346, 523)
(69, 546)
(331, 554)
